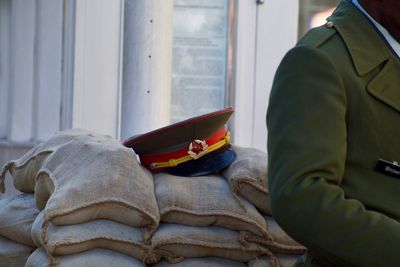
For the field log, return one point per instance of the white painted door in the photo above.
(265, 31)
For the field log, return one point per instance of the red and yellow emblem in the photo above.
(197, 149)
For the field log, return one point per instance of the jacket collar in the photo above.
(367, 49)
(385, 85)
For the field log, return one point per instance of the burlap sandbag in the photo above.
(90, 177)
(90, 258)
(201, 262)
(176, 242)
(281, 242)
(25, 169)
(205, 201)
(247, 176)
(279, 260)
(86, 176)
(72, 239)
(13, 254)
(17, 214)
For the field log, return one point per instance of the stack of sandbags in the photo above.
(202, 218)
(74, 239)
(201, 262)
(17, 214)
(99, 207)
(247, 177)
(93, 193)
(286, 250)
(90, 258)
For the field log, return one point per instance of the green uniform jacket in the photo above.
(334, 111)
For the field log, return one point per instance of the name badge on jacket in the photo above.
(388, 168)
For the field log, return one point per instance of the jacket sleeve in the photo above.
(306, 122)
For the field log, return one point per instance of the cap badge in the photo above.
(197, 149)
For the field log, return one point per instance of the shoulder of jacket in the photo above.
(317, 36)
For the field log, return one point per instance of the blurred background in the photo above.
(124, 67)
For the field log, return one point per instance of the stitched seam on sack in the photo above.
(228, 214)
(284, 248)
(210, 245)
(54, 214)
(274, 244)
(24, 163)
(58, 243)
(251, 181)
(52, 148)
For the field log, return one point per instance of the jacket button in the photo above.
(329, 24)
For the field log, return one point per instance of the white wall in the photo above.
(48, 53)
(97, 65)
(30, 69)
(23, 17)
(5, 22)
(93, 88)
(265, 33)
